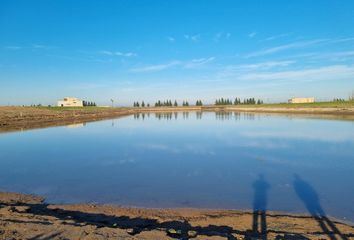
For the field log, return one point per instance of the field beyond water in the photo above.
(22, 118)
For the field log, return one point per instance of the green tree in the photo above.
(142, 104)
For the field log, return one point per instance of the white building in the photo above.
(70, 102)
(302, 100)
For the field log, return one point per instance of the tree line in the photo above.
(237, 101)
(167, 103)
(220, 101)
(88, 104)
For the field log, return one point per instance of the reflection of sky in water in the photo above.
(188, 160)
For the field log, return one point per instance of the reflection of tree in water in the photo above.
(223, 115)
(164, 115)
(249, 116)
(259, 224)
(309, 197)
(234, 115)
(199, 115)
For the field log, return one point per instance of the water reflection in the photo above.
(202, 158)
(199, 115)
(76, 125)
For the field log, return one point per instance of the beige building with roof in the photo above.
(302, 100)
(70, 102)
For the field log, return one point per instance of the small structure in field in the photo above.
(302, 100)
(70, 102)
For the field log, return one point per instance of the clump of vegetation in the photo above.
(351, 98)
(199, 103)
(237, 101)
(185, 104)
(142, 104)
(167, 103)
(339, 100)
(88, 104)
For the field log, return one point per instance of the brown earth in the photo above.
(27, 217)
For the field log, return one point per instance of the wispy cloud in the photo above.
(120, 54)
(171, 39)
(13, 47)
(198, 62)
(285, 47)
(218, 36)
(193, 38)
(40, 46)
(276, 37)
(190, 64)
(332, 73)
(263, 65)
(156, 68)
(252, 34)
(236, 70)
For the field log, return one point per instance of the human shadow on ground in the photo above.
(260, 199)
(309, 197)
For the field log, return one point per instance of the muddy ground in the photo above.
(27, 217)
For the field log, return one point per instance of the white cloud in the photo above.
(13, 47)
(120, 54)
(218, 36)
(198, 62)
(236, 70)
(328, 73)
(193, 38)
(171, 39)
(252, 34)
(156, 68)
(262, 65)
(190, 64)
(334, 56)
(285, 47)
(39, 46)
(276, 37)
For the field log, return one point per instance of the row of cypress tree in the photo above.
(237, 101)
(88, 104)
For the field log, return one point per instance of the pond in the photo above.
(223, 160)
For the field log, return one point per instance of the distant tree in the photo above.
(148, 105)
(351, 97)
(175, 104)
(142, 104)
(198, 103)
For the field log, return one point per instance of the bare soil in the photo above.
(23, 118)
(28, 217)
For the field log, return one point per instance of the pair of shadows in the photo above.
(307, 195)
(182, 228)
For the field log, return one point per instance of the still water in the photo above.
(203, 160)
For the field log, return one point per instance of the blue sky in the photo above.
(164, 49)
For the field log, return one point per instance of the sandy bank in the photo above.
(27, 217)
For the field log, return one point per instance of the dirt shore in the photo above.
(23, 118)
(27, 217)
